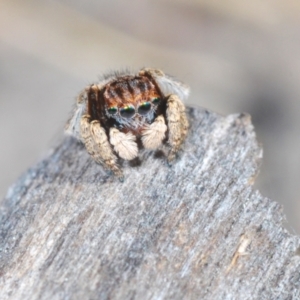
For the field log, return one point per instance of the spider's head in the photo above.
(131, 98)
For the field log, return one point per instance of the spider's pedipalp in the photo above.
(154, 134)
(177, 124)
(124, 143)
(95, 140)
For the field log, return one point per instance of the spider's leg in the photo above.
(167, 84)
(124, 143)
(73, 125)
(85, 134)
(97, 145)
(177, 124)
(154, 134)
(183, 121)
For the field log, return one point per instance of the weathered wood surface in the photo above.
(195, 230)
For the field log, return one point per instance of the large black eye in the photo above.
(156, 100)
(144, 108)
(112, 110)
(127, 112)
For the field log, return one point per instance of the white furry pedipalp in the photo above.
(154, 134)
(124, 143)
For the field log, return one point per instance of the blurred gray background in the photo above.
(237, 56)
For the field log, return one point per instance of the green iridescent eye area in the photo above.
(112, 110)
(127, 112)
(156, 100)
(144, 108)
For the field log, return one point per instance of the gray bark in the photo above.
(193, 230)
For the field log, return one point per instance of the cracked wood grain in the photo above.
(194, 230)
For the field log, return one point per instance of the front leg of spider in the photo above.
(96, 142)
(177, 125)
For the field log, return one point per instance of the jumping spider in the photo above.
(125, 112)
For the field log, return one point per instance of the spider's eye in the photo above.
(127, 112)
(112, 110)
(156, 100)
(144, 108)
